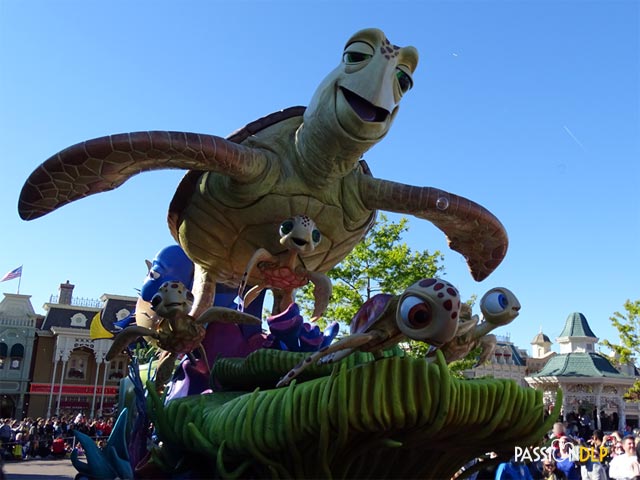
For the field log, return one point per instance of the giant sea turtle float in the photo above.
(300, 161)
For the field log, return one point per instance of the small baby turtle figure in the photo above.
(174, 330)
(286, 270)
(427, 311)
(499, 306)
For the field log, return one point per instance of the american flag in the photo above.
(15, 273)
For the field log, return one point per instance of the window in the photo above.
(77, 369)
(116, 369)
(3, 354)
(17, 354)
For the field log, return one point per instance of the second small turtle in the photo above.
(426, 311)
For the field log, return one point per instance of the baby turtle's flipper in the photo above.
(126, 336)
(227, 315)
(260, 255)
(165, 366)
(322, 289)
(348, 344)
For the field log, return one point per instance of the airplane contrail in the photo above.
(566, 129)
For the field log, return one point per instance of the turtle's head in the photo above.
(354, 106)
(172, 298)
(363, 93)
(428, 311)
(499, 306)
(300, 234)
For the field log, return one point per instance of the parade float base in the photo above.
(398, 417)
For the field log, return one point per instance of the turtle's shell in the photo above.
(220, 224)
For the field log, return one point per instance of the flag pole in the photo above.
(19, 280)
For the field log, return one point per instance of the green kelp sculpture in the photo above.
(397, 417)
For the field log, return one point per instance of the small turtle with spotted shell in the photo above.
(173, 329)
(427, 311)
(286, 271)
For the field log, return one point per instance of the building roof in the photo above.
(515, 355)
(115, 309)
(540, 339)
(69, 316)
(577, 326)
(579, 364)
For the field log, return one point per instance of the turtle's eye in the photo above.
(496, 302)
(415, 312)
(404, 80)
(286, 227)
(355, 57)
(357, 52)
(190, 297)
(154, 275)
(315, 235)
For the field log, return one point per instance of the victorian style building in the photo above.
(18, 323)
(51, 365)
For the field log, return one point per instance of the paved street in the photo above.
(40, 470)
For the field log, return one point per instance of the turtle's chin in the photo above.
(359, 118)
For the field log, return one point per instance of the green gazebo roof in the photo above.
(579, 364)
(577, 326)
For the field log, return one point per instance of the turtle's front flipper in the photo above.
(105, 163)
(471, 229)
(227, 315)
(126, 336)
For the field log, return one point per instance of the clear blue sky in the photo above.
(531, 109)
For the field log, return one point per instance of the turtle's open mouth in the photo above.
(365, 109)
(299, 241)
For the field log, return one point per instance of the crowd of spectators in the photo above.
(568, 456)
(47, 438)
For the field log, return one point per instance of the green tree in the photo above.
(628, 325)
(382, 262)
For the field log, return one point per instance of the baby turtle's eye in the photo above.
(286, 227)
(156, 300)
(404, 80)
(190, 297)
(315, 236)
(415, 312)
(496, 302)
(357, 52)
